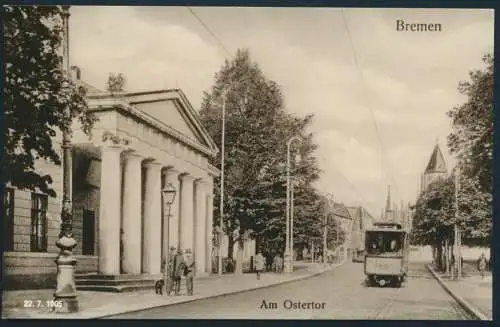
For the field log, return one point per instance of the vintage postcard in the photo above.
(248, 163)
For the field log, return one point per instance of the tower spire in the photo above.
(388, 210)
(388, 202)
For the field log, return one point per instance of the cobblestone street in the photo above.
(343, 292)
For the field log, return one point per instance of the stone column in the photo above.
(200, 226)
(187, 214)
(209, 226)
(151, 251)
(132, 214)
(109, 211)
(172, 176)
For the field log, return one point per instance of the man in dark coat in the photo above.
(178, 271)
(189, 271)
(169, 271)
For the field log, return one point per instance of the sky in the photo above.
(379, 96)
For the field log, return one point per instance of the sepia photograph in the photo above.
(176, 162)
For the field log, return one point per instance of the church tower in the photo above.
(436, 168)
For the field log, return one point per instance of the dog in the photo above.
(159, 286)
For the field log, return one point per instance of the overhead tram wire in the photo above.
(377, 129)
(219, 42)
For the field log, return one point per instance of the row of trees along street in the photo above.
(37, 91)
(257, 130)
(471, 141)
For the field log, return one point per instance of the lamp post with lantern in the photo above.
(65, 294)
(289, 207)
(168, 193)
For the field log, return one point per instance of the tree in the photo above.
(472, 137)
(257, 127)
(436, 214)
(116, 83)
(472, 143)
(36, 93)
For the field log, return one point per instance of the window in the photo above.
(384, 243)
(8, 230)
(38, 222)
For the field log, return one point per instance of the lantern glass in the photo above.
(169, 192)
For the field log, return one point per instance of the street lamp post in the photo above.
(65, 292)
(221, 223)
(289, 217)
(457, 240)
(168, 193)
(325, 231)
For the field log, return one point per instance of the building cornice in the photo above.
(105, 103)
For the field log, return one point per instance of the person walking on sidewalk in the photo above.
(170, 271)
(178, 271)
(481, 265)
(189, 271)
(259, 264)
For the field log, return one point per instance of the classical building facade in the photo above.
(141, 142)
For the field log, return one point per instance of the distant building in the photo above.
(361, 220)
(435, 170)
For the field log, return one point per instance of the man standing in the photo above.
(169, 270)
(482, 265)
(259, 264)
(178, 271)
(189, 271)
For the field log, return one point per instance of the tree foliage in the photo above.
(472, 137)
(435, 213)
(116, 83)
(36, 94)
(257, 128)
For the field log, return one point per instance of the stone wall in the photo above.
(25, 269)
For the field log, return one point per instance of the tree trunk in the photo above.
(448, 256)
(230, 245)
(439, 256)
(239, 256)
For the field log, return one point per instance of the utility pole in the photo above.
(458, 260)
(221, 223)
(325, 228)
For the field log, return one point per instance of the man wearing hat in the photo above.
(178, 271)
(189, 271)
(169, 271)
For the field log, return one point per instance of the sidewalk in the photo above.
(476, 292)
(101, 304)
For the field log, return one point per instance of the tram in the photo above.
(386, 254)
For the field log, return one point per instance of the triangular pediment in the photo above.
(168, 112)
(172, 109)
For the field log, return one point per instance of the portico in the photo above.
(141, 142)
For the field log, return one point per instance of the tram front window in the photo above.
(384, 243)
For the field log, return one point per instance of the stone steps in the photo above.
(118, 283)
(115, 283)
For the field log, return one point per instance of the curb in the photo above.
(463, 303)
(187, 300)
(223, 294)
